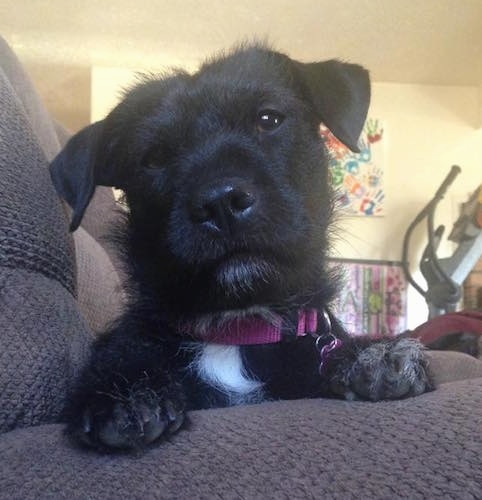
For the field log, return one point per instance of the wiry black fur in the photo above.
(174, 145)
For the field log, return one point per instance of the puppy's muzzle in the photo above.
(223, 207)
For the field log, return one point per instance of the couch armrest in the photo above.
(43, 337)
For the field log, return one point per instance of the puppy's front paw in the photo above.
(390, 370)
(113, 421)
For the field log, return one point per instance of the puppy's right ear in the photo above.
(340, 93)
(78, 168)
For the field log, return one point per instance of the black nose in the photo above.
(223, 207)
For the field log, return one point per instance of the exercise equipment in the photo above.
(445, 276)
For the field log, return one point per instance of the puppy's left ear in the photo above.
(80, 167)
(340, 93)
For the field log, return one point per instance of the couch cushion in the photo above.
(447, 366)
(99, 287)
(423, 447)
(43, 344)
(33, 228)
(30, 102)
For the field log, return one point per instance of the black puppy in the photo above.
(226, 179)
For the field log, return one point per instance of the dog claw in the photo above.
(153, 429)
(130, 424)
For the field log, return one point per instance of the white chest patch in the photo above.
(222, 367)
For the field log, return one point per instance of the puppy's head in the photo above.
(225, 175)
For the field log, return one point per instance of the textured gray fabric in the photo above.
(43, 344)
(424, 447)
(101, 214)
(452, 366)
(101, 217)
(33, 230)
(99, 287)
(30, 102)
(43, 338)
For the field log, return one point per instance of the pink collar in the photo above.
(254, 330)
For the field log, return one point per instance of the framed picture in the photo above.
(373, 298)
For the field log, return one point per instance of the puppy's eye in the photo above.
(154, 160)
(269, 120)
(151, 167)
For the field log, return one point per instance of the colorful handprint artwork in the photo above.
(358, 177)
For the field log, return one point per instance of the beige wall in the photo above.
(428, 128)
(108, 85)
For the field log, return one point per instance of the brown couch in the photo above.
(57, 289)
